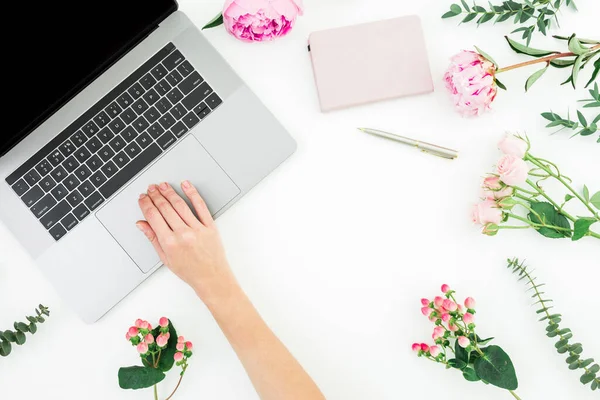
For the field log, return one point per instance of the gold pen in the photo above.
(423, 146)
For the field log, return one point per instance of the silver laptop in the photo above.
(104, 99)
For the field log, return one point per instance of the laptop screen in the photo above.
(59, 47)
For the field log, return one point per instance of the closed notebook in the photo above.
(370, 62)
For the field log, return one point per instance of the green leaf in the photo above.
(21, 338)
(595, 200)
(573, 358)
(5, 348)
(500, 84)
(522, 49)
(460, 353)
(32, 328)
(485, 18)
(10, 336)
(595, 73)
(456, 363)
(20, 326)
(560, 63)
(455, 8)
(496, 368)
(550, 116)
(585, 363)
(581, 118)
(587, 378)
(576, 47)
(592, 105)
(465, 5)
(139, 377)
(469, 17)
(576, 69)
(470, 375)
(594, 368)
(533, 78)
(31, 319)
(218, 20)
(479, 9)
(582, 227)
(549, 216)
(487, 56)
(503, 17)
(166, 361)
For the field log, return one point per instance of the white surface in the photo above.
(338, 245)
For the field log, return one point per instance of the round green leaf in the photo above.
(32, 328)
(549, 216)
(139, 377)
(456, 363)
(470, 375)
(21, 338)
(496, 368)
(20, 326)
(10, 336)
(455, 8)
(5, 348)
(582, 227)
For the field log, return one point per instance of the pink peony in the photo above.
(470, 303)
(464, 342)
(142, 348)
(445, 288)
(513, 146)
(178, 356)
(470, 78)
(512, 170)
(189, 346)
(468, 318)
(435, 351)
(149, 338)
(162, 340)
(416, 347)
(164, 322)
(261, 20)
(486, 212)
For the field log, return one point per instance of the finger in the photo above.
(151, 235)
(179, 205)
(198, 203)
(165, 208)
(153, 216)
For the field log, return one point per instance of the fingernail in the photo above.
(152, 188)
(142, 195)
(186, 184)
(164, 186)
(140, 227)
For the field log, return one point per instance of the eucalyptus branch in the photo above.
(553, 330)
(18, 335)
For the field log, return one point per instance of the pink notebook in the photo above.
(370, 62)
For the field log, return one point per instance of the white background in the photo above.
(337, 246)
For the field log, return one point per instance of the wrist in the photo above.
(218, 290)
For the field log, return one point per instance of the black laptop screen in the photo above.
(59, 47)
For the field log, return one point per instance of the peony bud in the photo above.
(180, 346)
(464, 342)
(426, 311)
(149, 338)
(164, 322)
(438, 301)
(468, 318)
(435, 351)
(425, 302)
(133, 331)
(178, 356)
(470, 303)
(142, 348)
(415, 347)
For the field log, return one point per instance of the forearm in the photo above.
(274, 372)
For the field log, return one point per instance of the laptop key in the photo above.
(179, 129)
(20, 187)
(162, 87)
(98, 179)
(163, 105)
(190, 83)
(90, 129)
(56, 158)
(173, 60)
(94, 144)
(128, 116)
(140, 106)
(175, 95)
(166, 140)
(156, 130)
(167, 121)
(59, 192)
(57, 232)
(79, 138)
(43, 168)
(86, 188)
(132, 149)
(58, 173)
(143, 140)
(141, 124)
(136, 91)
(47, 184)
(148, 81)
(178, 111)
(109, 169)
(128, 134)
(185, 68)
(191, 119)
(81, 211)
(67, 148)
(113, 109)
(82, 154)
(152, 114)
(41, 207)
(151, 96)
(158, 72)
(94, 201)
(174, 78)
(196, 96)
(31, 197)
(69, 222)
(121, 159)
(74, 198)
(56, 214)
(105, 135)
(213, 101)
(124, 100)
(71, 182)
(116, 125)
(83, 172)
(101, 119)
(117, 143)
(94, 163)
(130, 170)
(106, 153)
(32, 177)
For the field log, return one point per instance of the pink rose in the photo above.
(261, 20)
(471, 81)
(468, 318)
(189, 346)
(486, 212)
(142, 348)
(178, 356)
(435, 351)
(464, 342)
(149, 338)
(470, 303)
(513, 146)
(512, 170)
(127, 336)
(162, 340)
(164, 322)
(492, 182)
(507, 191)
(144, 325)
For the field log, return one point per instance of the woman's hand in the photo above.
(189, 246)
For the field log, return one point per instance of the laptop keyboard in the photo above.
(113, 141)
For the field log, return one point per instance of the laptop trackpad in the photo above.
(187, 160)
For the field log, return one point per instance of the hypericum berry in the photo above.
(445, 288)
(435, 351)
(468, 318)
(470, 303)
(464, 342)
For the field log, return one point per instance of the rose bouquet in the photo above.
(159, 349)
(517, 184)
(258, 20)
(457, 345)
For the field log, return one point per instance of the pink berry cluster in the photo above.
(452, 320)
(184, 351)
(141, 336)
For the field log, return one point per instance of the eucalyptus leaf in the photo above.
(522, 49)
(534, 77)
(500, 84)
(595, 73)
(21, 338)
(576, 69)
(487, 56)
(5, 348)
(469, 17)
(576, 47)
(455, 8)
(561, 63)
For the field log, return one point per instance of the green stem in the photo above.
(541, 192)
(513, 227)
(155, 392)
(178, 382)
(518, 189)
(514, 395)
(559, 228)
